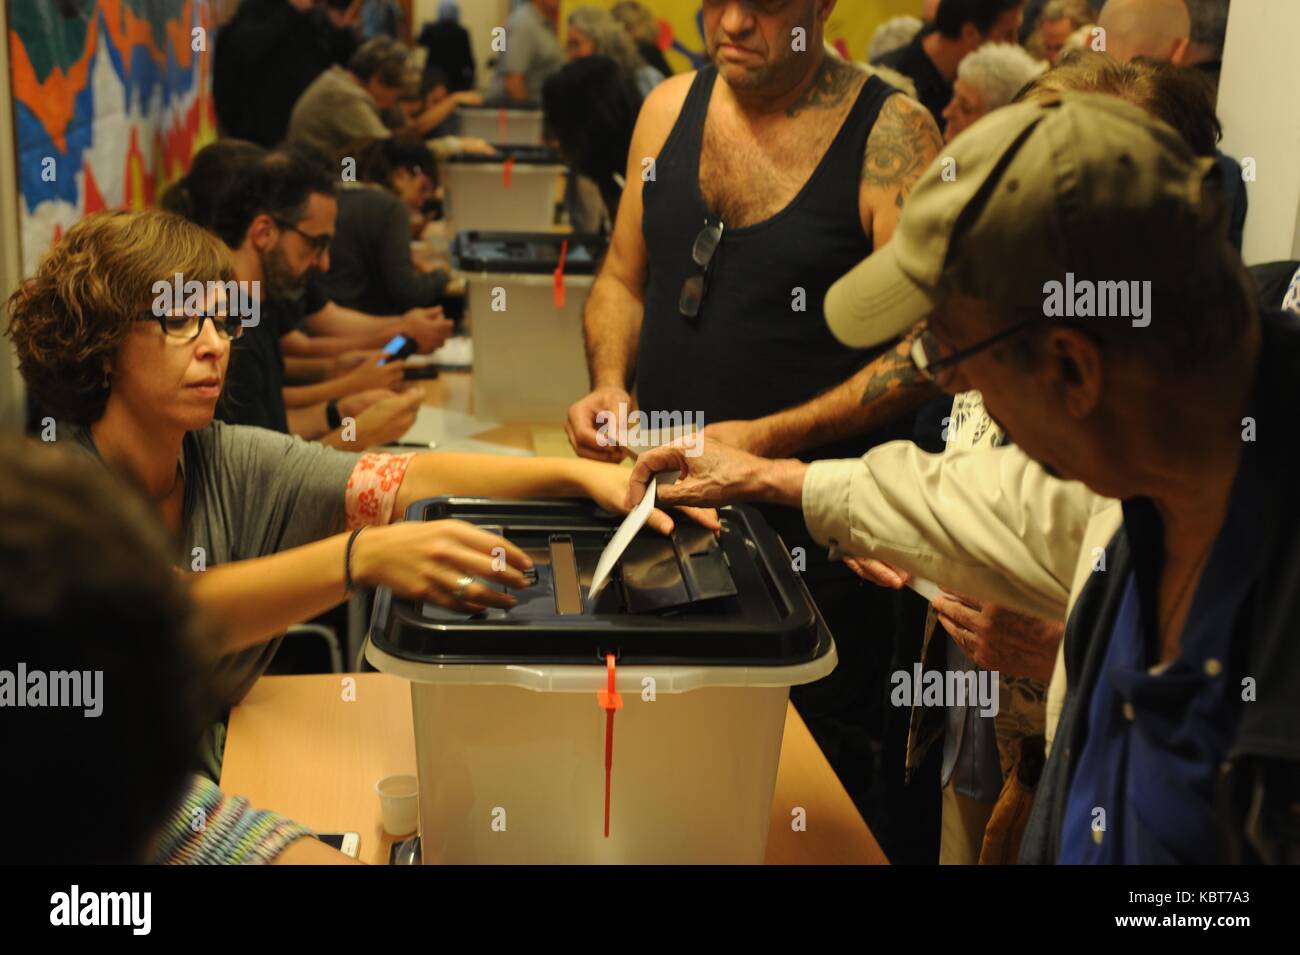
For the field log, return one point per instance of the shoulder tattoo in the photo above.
(901, 146)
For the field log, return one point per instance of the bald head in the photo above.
(1155, 28)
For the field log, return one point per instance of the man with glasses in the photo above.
(752, 184)
(276, 212)
(1180, 736)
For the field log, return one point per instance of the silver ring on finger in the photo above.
(462, 584)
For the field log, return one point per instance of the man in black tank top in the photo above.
(791, 166)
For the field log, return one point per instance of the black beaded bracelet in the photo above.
(347, 560)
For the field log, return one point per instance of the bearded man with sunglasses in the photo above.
(752, 184)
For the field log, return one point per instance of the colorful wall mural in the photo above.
(111, 99)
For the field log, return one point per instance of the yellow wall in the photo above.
(853, 21)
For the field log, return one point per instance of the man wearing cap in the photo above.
(752, 184)
(344, 105)
(1160, 384)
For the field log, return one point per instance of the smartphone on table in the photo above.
(348, 843)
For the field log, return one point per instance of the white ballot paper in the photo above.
(633, 523)
(926, 588)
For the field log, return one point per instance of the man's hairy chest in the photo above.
(748, 174)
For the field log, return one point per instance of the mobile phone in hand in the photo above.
(399, 348)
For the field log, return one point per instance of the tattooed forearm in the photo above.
(834, 81)
(892, 371)
(901, 146)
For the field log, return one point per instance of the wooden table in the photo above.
(454, 391)
(297, 746)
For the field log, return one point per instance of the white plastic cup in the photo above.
(400, 803)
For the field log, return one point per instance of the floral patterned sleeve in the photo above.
(371, 493)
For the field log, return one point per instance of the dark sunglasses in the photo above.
(702, 252)
(189, 327)
(935, 362)
(319, 243)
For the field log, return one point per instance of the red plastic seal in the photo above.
(559, 290)
(610, 701)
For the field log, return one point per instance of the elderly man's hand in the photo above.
(751, 436)
(713, 474)
(1000, 639)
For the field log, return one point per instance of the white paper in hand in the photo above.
(633, 523)
(926, 588)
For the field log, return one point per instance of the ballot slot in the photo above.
(567, 583)
(656, 575)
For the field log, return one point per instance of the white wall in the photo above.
(476, 16)
(1260, 111)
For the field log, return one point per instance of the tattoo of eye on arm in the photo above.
(901, 146)
(834, 81)
(894, 370)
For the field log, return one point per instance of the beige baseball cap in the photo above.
(1075, 182)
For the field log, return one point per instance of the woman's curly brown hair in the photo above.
(68, 320)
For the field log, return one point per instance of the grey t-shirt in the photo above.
(531, 50)
(250, 492)
(333, 111)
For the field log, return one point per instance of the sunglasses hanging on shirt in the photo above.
(702, 252)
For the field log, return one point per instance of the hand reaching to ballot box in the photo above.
(427, 560)
(592, 425)
(607, 485)
(713, 474)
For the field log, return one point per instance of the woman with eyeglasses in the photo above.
(273, 530)
(371, 268)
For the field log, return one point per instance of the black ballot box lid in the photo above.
(527, 252)
(688, 599)
(523, 155)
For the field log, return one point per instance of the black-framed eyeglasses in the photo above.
(935, 363)
(189, 327)
(702, 252)
(319, 243)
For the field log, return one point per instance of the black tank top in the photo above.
(749, 353)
